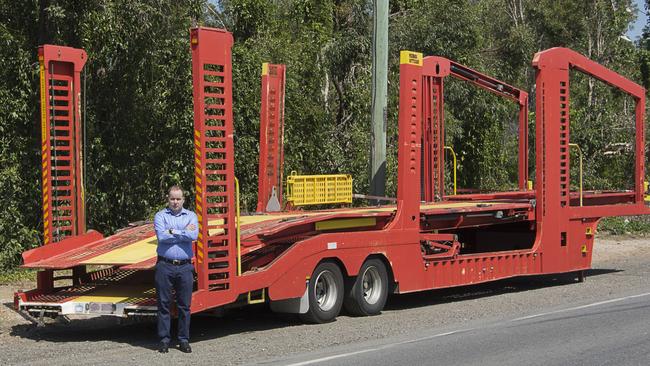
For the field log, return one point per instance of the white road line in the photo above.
(580, 307)
(343, 355)
(333, 357)
(425, 338)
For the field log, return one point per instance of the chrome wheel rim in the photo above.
(325, 290)
(371, 285)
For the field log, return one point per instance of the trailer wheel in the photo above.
(368, 293)
(325, 294)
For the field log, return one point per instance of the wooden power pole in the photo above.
(379, 92)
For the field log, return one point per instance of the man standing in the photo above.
(176, 228)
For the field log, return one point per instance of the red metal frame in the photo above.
(271, 135)
(216, 247)
(553, 67)
(420, 244)
(62, 160)
(435, 69)
(562, 222)
(410, 142)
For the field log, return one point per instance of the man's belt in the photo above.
(176, 262)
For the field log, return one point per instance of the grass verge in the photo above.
(637, 225)
(17, 275)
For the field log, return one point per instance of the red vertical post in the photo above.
(427, 140)
(639, 172)
(552, 154)
(433, 136)
(434, 71)
(438, 138)
(62, 160)
(523, 141)
(271, 138)
(216, 255)
(410, 142)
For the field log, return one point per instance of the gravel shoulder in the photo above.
(255, 334)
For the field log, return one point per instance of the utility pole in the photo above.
(379, 92)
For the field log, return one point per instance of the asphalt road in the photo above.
(608, 332)
(590, 323)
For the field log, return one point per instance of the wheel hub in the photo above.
(325, 291)
(371, 285)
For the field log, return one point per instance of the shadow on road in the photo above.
(142, 333)
(510, 285)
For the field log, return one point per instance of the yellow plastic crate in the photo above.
(305, 190)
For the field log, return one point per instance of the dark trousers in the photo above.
(180, 279)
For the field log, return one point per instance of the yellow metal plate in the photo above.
(130, 254)
(345, 223)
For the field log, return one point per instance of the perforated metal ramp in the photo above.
(125, 247)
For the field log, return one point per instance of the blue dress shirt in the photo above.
(178, 244)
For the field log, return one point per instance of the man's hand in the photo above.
(190, 227)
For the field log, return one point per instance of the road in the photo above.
(609, 332)
(595, 322)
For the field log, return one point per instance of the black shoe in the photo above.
(185, 347)
(163, 347)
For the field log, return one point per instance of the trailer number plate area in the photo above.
(100, 307)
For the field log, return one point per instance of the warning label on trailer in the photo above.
(412, 58)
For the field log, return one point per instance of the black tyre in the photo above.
(326, 293)
(368, 293)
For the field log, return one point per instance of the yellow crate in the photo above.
(305, 190)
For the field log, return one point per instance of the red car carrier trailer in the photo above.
(315, 262)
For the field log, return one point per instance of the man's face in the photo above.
(175, 200)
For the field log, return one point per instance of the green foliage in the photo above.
(14, 275)
(141, 134)
(634, 225)
(19, 153)
(139, 95)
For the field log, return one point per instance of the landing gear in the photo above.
(581, 276)
(325, 294)
(368, 293)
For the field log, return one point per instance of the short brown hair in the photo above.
(176, 188)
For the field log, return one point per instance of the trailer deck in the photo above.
(135, 248)
(129, 256)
